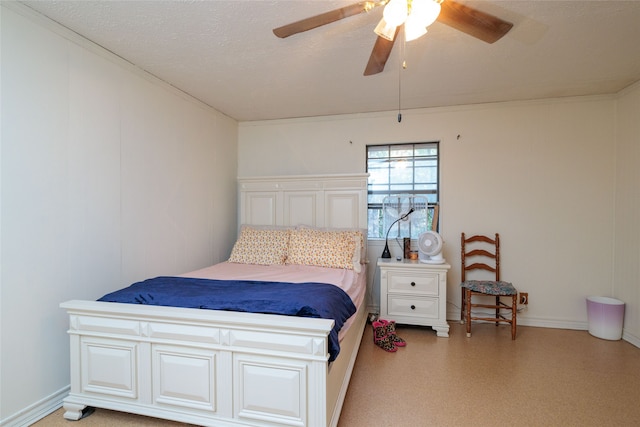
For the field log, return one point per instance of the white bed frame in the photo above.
(221, 368)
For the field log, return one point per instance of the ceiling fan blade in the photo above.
(325, 18)
(379, 55)
(478, 24)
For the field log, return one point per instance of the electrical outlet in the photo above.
(524, 298)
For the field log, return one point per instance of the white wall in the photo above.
(540, 173)
(627, 209)
(108, 176)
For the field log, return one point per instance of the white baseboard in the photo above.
(633, 339)
(37, 411)
(454, 316)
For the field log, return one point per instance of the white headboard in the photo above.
(336, 201)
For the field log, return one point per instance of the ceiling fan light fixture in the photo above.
(416, 15)
(384, 30)
(413, 30)
(424, 11)
(395, 12)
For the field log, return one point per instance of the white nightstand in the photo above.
(414, 293)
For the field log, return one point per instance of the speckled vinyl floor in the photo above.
(546, 377)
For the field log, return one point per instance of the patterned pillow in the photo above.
(260, 246)
(333, 249)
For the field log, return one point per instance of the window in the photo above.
(400, 169)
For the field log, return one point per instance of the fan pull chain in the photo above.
(403, 66)
(399, 96)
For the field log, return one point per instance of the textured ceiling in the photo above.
(224, 54)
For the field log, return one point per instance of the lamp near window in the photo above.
(386, 253)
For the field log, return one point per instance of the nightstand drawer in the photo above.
(403, 282)
(402, 306)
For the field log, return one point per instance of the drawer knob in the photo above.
(413, 307)
(413, 283)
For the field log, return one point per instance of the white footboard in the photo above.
(202, 366)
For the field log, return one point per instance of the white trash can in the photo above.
(605, 316)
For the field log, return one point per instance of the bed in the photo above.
(234, 368)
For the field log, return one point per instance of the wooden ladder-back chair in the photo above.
(485, 254)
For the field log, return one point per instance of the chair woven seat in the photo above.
(490, 287)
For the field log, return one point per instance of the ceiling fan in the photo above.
(471, 21)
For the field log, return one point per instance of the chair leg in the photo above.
(462, 304)
(467, 294)
(497, 309)
(514, 309)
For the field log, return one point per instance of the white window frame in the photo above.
(402, 168)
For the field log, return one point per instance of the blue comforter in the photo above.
(319, 300)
